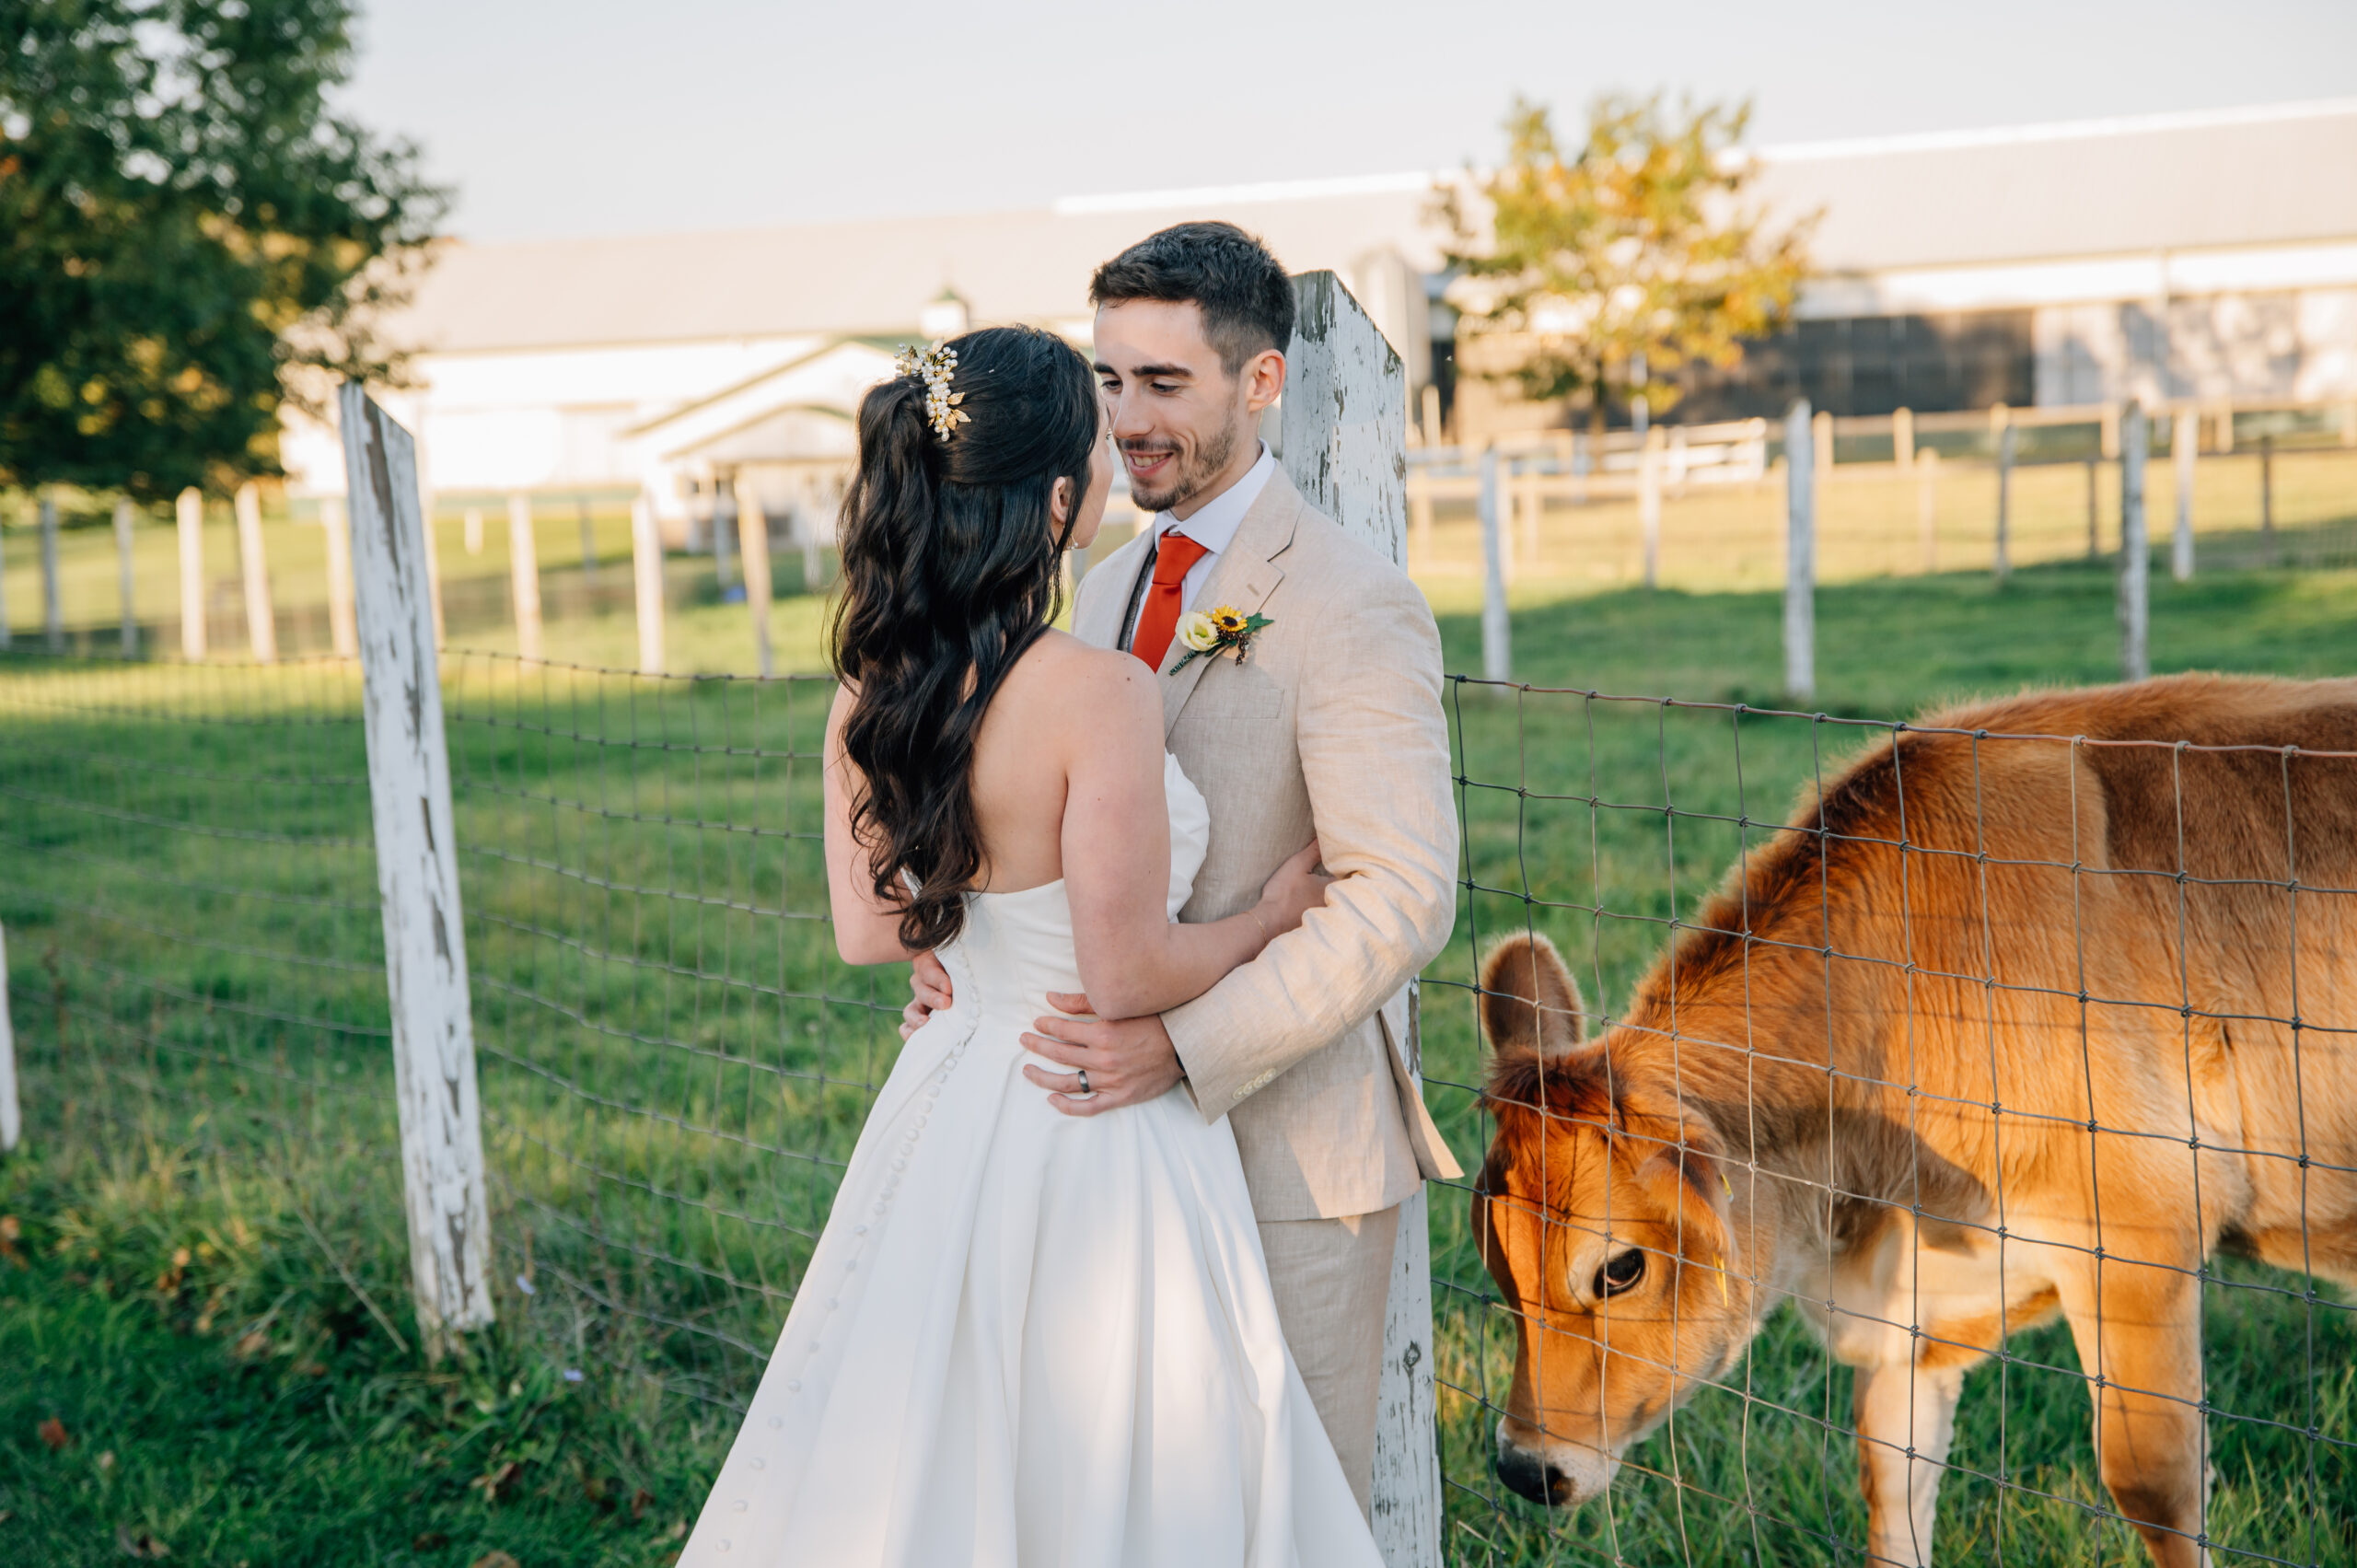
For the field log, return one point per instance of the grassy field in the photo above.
(204, 1290)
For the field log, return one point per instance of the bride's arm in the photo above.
(868, 931)
(1116, 849)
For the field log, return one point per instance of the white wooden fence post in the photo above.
(1649, 503)
(2135, 550)
(1903, 438)
(7, 638)
(523, 573)
(753, 544)
(1800, 551)
(188, 513)
(124, 583)
(2185, 446)
(261, 620)
(12, 1122)
(53, 603)
(2004, 564)
(1926, 464)
(344, 632)
(646, 570)
(1345, 440)
(417, 879)
(1497, 626)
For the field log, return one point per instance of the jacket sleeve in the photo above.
(1374, 747)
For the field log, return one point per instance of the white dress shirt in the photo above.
(1215, 523)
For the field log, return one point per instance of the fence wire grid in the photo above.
(674, 1065)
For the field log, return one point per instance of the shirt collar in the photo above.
(1215, 523)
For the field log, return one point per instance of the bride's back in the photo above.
(1062, 698)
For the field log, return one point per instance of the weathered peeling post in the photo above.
(1346, 447)
(188, 513)
(52, 602)
(523, 573)
(417, 881)
(2135, 551)
(123, 582)
(1800, 551)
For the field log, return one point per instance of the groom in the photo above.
(1332, 727)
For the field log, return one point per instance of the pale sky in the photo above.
(582, 117)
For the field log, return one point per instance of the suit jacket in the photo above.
(1331, 726)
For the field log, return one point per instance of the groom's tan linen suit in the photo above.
(1331, 726)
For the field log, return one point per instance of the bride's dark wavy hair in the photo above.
(951, 568)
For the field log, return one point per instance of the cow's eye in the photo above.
(1621, 1273)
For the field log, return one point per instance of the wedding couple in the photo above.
(1105, 1282)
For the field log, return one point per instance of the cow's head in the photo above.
(1602, 1214)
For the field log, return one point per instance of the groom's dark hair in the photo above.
(1241, 288)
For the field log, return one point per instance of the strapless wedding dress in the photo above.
(1029, 1340)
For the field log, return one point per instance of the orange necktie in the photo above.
(1158, 616)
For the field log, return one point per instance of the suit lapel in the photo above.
(1245, 575)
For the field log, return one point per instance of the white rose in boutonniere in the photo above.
(1225, 630)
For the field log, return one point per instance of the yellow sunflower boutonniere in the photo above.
(1209, 633)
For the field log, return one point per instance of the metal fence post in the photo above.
(2185, 443)
(417, 879)
(1497, 629)
(1800, 552)
(12, 1121)
(2135, 551)
(523, 573)
(52, 605)
(646, 571)
(124, 583)
(1345, 438)
(188, 515)
(261, 621)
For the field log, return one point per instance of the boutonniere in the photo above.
(1209, 633)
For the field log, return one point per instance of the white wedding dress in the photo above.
(1029, 1340)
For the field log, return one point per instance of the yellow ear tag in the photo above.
(1725, 1183)
(1720, 1265)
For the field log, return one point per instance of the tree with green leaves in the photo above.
(1605, 270)
(190, 236)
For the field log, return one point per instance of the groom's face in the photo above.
(1186, 428)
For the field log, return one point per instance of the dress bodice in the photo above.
(1017, 946)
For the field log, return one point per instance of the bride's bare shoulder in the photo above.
(1060, 680)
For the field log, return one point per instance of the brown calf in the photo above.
(2020, 1020)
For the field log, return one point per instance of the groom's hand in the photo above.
(929, 985)
(1128, 1059)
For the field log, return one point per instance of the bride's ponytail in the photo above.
(950, 570)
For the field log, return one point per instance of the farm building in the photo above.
(2186, 255)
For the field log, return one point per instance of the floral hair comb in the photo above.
(934, 366)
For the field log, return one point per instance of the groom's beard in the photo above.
(1187, 479)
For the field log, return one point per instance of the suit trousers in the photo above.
(1332, 1281)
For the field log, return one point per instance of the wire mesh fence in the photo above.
(2008, 1069)
(1899, 1121)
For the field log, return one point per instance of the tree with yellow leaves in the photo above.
(1604, 271)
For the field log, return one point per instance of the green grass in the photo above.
(673, 1064)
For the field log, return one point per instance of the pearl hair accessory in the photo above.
(934, 366)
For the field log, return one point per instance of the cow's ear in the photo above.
(1530, 1005)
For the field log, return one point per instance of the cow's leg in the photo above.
(2141, 1329)
(1906, 1418)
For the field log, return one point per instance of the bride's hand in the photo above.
(1297, 888)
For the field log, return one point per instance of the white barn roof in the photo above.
(2273, 176)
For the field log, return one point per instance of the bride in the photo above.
(1027, 1339)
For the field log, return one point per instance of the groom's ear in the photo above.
(1264, 379)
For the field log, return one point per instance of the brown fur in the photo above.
(1918, 997)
